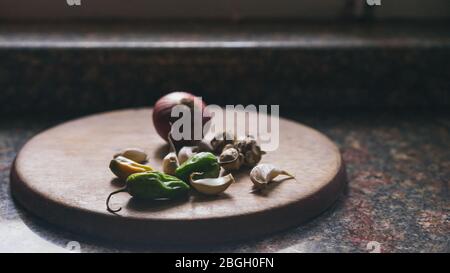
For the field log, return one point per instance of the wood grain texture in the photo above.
(62, 176)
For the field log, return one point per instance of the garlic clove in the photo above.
(170, 163)
(204, 146)
(186, 152)
(262, 174)
(228, 146)
(220, 140)
(230, 159)
(135, 154)
(211, 186)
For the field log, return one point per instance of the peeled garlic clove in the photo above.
(186, 152)
(170, 164)
(211, 186)
(135, 154)
(262, 174)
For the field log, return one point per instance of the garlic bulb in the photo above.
(251, 150)
(221, 139)
(211, 186)
(262, 174)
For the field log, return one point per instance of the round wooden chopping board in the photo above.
(62, 175)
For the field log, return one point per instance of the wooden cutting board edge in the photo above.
(198, 231)
(69, 218)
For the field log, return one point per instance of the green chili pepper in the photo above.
(151, 186)
(203, 162)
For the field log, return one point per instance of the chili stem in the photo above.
(109, 197)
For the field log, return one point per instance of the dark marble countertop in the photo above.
(85, 68)
(397, 197)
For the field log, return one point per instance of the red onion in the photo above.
(163, 108)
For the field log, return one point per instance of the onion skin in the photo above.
(163, 107)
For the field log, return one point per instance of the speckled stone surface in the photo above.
(398, 192)
(88, 68)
